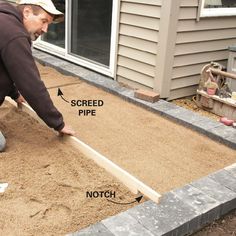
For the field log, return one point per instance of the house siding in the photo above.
(197, 44)
(163, 47)
(137, 42)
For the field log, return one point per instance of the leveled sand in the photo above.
(162, 154)
(48, 180)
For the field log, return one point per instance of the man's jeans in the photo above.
(2, 142)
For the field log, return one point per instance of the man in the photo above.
(19, 76)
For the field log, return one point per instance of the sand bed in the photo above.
(162, 154)
(48, 182)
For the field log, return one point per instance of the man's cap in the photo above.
(47, 5)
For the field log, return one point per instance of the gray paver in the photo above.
(175, 114)
(205, 124)
(73, 70)
(225, 196)
(185, 115)
(231, 169)
(232, 137)
(169, 217)
(124, 224)
(223, 131)
(97, 229)
(224, 134)
(224, 178)
(55, 62)
(207, 207)
(42, 56)
(128, 93)
(186, 118)
(164, 106)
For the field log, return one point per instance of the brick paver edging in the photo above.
(181, 211)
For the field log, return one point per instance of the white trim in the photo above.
(48, 47)
(114, 36)
(211, 12)
(214, 12)
(65, 53)
(57, 51)
(67, 24)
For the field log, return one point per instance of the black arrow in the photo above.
(60, 93)
(137, 199)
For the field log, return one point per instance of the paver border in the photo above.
(181, 211)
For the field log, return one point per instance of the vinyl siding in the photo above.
(137, 42)
(197, 44)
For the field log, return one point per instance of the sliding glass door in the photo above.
(91, 30)
(88, 35)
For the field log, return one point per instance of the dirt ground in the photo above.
(225, 226)
(48, 181)
(189, 103)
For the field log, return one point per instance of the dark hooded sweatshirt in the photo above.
(18, 71)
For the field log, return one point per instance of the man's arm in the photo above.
(20, 64)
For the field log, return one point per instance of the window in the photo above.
(218, 8)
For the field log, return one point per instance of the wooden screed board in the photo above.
(135, 185)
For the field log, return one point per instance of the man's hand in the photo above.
(19, 101)
(66, 130)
